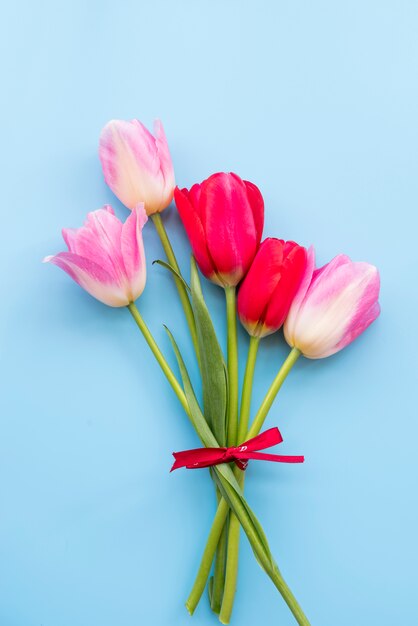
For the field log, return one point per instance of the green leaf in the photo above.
(196, 416)
(171, 269)
(212, 363)
(224, 475)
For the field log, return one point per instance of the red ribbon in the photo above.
(205, 457)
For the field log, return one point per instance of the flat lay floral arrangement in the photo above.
(268, 284)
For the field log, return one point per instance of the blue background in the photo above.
(316, 102)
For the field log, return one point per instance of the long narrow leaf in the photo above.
(212, 364)
(196, 417)
(171, 269)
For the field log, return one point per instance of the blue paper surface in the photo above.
(316, 103)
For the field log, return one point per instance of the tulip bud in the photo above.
(267, 291)
(106, 257)
(137, 165)
(333, 306)
(223, 217)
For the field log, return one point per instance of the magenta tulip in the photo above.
(267, 291)
(223, 217)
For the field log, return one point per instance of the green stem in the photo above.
(247, 388)
(159, 356)
(208, 556)
(223, 508)
(271, 394)
(263, 555)
(184, 297)
(234, 499)
(232, 361)
(206, 562)
(231, 570)
(232, 432)
(219, 571)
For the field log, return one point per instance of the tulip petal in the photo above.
(291, 275)
(118, 162)
(368, 308)
(187, 203)
(258, 286)
(132, 249)
(289, 325)
(91, 277)
(322, 273)
(257, 204)
(166, 164)
(99, 241)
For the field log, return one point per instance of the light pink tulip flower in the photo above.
(105, 256)
(333, 306)
(137, 165)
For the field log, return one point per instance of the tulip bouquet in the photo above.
(268, 284)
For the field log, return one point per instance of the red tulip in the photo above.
(268, 289)
(223, 217)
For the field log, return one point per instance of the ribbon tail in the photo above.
(262, 456)
(181, 459)
(176, 465)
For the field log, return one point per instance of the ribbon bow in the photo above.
(205, 457)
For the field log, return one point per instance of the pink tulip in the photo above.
(267, 291)
(223, 217)
(137, 165)
(105, 256)
(333, 306)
